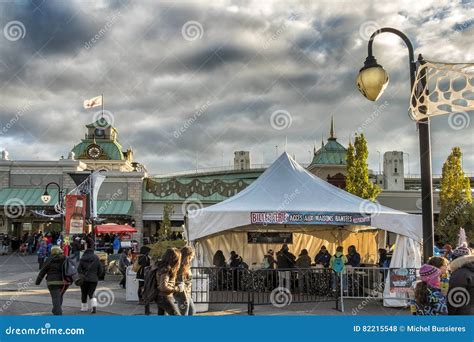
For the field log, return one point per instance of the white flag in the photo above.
(94, 102)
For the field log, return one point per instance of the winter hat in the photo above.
(461, 251)
(430, 275)
(55, 250)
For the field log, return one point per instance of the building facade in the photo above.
(130, 196)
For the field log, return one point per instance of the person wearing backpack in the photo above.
(337, 264)
(167, 271)
(90, 269)
(53, 269)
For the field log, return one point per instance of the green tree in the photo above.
(455, 198)
(165, 225)
(357, 178)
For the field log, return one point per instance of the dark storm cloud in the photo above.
(173, 99)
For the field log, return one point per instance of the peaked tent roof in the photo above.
(286, 186)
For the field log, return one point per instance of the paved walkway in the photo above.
(20, 296)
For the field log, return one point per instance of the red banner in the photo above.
(75, 214)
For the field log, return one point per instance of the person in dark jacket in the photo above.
(219, 259)
(461, 284)
(323, 257)
(304, 260)
(353, 257)
(235, 262)
(285, 259)
(91, 269)
(57, 284)
(124, 262)
(143, 261)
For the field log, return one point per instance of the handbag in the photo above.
(82, 276)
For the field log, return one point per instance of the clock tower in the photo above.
(101, 150)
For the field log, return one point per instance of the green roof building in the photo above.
(329, 162)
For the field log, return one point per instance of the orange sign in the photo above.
(75, 214)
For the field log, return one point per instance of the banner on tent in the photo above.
(269, 237)
(309, 217)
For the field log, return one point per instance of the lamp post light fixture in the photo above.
(46, 198)
(372, 81)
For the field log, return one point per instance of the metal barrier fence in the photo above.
(263, 287)
(366, 283)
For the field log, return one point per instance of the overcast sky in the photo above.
(198, 80)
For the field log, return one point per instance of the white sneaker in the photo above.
(94, 305)
(84, 307)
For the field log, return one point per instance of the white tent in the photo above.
(288, 198)
(286, 187)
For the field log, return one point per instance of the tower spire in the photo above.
(332, 133)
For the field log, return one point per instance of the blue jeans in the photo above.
(336, 280)
(185, 304)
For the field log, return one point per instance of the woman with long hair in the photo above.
(429, 301)
(184, 299)
(166, 274)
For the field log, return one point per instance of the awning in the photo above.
(29, 197)
(114, 208)
(114, 229)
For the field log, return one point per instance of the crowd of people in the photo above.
(287, 260)
(168, 281)
(446, 284)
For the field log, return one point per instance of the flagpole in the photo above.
(102, 105)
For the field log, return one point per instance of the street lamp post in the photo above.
(46, 197)
(372, 81)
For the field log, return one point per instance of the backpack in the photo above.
(69, 269)
(150, 286)
(338, 264)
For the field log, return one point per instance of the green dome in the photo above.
(332, 153)
(112, 149)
